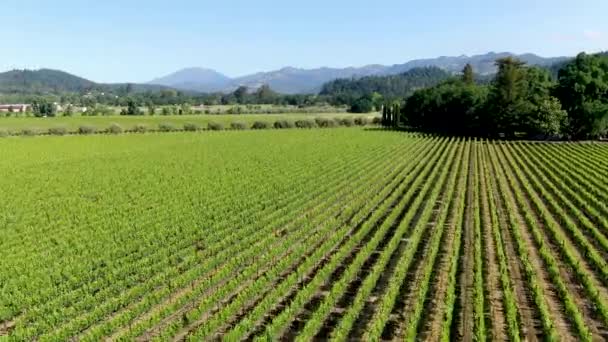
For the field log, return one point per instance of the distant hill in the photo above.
(291, 80)
(390, 86)
(197, 79)
(287, 80)
(45, 81)
(482, 64)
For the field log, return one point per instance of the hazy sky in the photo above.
(111, 40)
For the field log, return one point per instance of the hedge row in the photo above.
(193, 127)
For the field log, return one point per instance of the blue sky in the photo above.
(136, 41)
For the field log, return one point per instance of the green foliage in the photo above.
(86, 129)
(508, 96)
(214, 126)
(100, 110)
(59, 130)
(517, 103)
(4, 133)
(349, 91)
(240, 94)
(115, 129)
(282, 124)
(140, 128)
(547, 120)
(166, 127)
(347, 122)
(362, 105)
(305, 124)
(132, 108)
(265, 95)
(468, 76)
(185, 109)
(583, 92)
(191, 127)
(326, 123)
(69, 110)
(361, 121)
(29, 132)
(151, 109)
(238, 125)
(260, 125)
(450, 108)
(43, 108)
(166, 111)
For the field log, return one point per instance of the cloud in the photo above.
(592, 34)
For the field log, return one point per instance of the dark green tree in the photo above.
(133, 108)
(240, 94)
(69, 110)
(508, 94)
(468, 76)
(265, 95)
(42, 108)
(362, 105)
(396, 115)
(384, 121)
(583, 91)
(151, 109)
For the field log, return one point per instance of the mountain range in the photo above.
(291, 80)
(288, 80)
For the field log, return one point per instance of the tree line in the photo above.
(359, 95)
(520, 102)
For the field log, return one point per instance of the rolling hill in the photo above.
(55, 81)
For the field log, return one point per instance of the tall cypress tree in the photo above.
(467, 74)
(396, 115)
(384, 115)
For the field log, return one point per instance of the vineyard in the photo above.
(340, 234)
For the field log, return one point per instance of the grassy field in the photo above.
(342, 234)
(17, 124)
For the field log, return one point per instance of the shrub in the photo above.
(281, 124)
(376, 120)
(4, 133)
(166, 127)
(115, 128)
(305, 124)
(191, 127)
(29, 132)
(214, 126)
(86, 130)
(348, 122)
(238, 125)
(260, 125)
(361, 121)
(60, 130)
(330, 123)
(140, 128)
(325, 123)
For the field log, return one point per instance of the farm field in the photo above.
(341, 234)
(16, 124)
